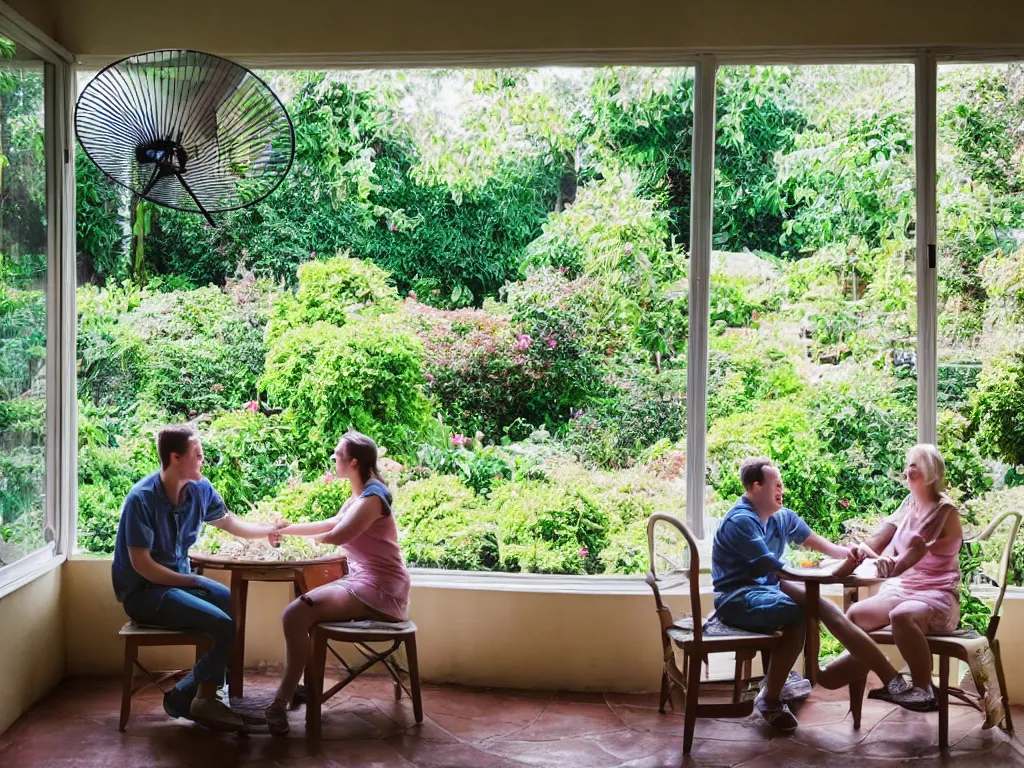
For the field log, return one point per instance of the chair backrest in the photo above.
(1013, 519)
(674, 561)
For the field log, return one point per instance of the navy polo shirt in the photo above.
(148, 519)
(746, 553)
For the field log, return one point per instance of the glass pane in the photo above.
(23, 281)
(812, 344)
(483, 270)
(981, 296)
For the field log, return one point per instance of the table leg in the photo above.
(239, 598)
(813, 640)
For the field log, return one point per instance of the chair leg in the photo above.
(692, 696)
(130, 653)
(943, 701)
(314, 672)
(664, 691)
(857, 699)
(414, 677)
(1002, 685)
(737, 681)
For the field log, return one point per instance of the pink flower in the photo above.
(459, 440)
(552, 343)
(328, 477)
(429, 378)
(844, 503)
(412, 295)
(252, 406)
(523, 342)
(584, 552)
(312, 254)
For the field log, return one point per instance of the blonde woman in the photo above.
(919, 545)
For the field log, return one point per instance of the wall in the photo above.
(238, 27)
(32, 651)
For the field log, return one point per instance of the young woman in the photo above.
(378, 585)
(919, 545)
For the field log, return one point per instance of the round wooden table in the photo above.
(303, 574)
(813, 578)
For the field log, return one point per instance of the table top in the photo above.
(863, 575)
(235, 564)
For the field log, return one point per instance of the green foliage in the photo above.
(362, 376)
(100, 227)
(22, 337)
(331, 291)
(640, 409)
(742, 372)
(998, 405)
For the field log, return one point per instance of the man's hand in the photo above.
(274, 536)
(847, 567)
(863, 552)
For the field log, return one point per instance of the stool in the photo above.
(359, 634)
(136, 636)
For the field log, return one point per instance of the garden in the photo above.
(487, 272)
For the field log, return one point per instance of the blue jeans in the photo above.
(762, 609)
(205, 609)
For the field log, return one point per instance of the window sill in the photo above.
(29, 568)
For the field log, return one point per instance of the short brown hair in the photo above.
(752, 470)
(174, 439)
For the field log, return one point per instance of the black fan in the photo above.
(187, 130)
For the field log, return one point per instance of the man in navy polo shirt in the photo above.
(745, 562)
(160, 520)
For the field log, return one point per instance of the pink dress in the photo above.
(934, 579)
(378, 577)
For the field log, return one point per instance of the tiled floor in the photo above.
(76, 727)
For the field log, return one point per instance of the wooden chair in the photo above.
(953, 646)
(136, 636)
(674, 561)
(360, 634)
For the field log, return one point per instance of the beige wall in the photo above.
(238, 27)
(32, 652)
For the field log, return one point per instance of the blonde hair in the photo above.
(931, 464)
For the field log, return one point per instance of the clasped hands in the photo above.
(884, 565)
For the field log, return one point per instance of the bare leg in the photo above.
(331, 602)
(909, 622)
(869, 615)
(782, 660)
(861, 647)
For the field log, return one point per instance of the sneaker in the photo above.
(778, 716)
(277, 718)
(177, 703)
(900, 691)
(795, 689)
(215, 714)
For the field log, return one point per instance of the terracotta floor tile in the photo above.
(76, 727)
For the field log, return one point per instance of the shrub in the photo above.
(742, 371)
(640, 408)
(362, 376)
(998, 407)
(330, 291)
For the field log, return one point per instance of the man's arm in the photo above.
(826, 547)
(230, 523)
(152, 571)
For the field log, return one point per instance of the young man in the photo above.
(161, 518)
(745, 562)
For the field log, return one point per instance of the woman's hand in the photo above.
(847, 567)
(863, 552)
(885, 567)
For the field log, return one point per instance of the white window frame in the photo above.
(61, 400)
(705, 64)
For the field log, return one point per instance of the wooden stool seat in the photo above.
(139, 635)
(360, 633)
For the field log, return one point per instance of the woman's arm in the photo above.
(919, 546)
(308, 529)
(360, 517)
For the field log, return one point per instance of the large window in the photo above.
(483, 270)
(28, 365)
(812, 292)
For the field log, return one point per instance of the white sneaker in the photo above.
(215, 714)
(778, 716)
(796, 688)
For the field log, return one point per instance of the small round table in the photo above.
(303, 574)
(813, 578)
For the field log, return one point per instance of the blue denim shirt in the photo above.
(148, 519)
(746, 553)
